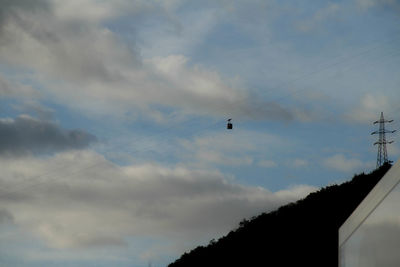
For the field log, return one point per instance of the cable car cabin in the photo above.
(229, 125)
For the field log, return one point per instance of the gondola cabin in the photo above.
(229, 125)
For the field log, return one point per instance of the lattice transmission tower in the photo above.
(382, 157)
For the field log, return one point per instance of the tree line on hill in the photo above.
(303, 233)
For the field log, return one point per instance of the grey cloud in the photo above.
(28, 135)
(113, 203)
(9, 89)
(6, 5)
(5, 216)
(379, 3)
(97, 241)
(266, 111)
(6, 89)
(85, 55)
(64, 48)
(35, 108)
(14, 196)
(340, 162)
(10, 8)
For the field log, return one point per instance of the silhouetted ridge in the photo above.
(304, 233)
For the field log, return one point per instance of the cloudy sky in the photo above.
(114, 149)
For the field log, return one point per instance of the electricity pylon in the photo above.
(382, 151)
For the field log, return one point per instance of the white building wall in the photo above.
(371, 235)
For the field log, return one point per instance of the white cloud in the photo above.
(267, 163)
(217, 158)
(80, 62)
(78, 199)
(299, 163)
(369, 108)
(232, 148)
(294, 190)
(341, 163)
(319, 17)
(393, 149)
(365, 4)
(15, 90)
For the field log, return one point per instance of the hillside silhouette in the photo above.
(304, 233)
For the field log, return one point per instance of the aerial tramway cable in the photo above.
(229, 124)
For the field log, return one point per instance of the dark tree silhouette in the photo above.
(304, 233)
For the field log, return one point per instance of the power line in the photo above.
(333, 64)
(327, 66)
(56, 171)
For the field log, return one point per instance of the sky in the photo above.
(113, 142)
